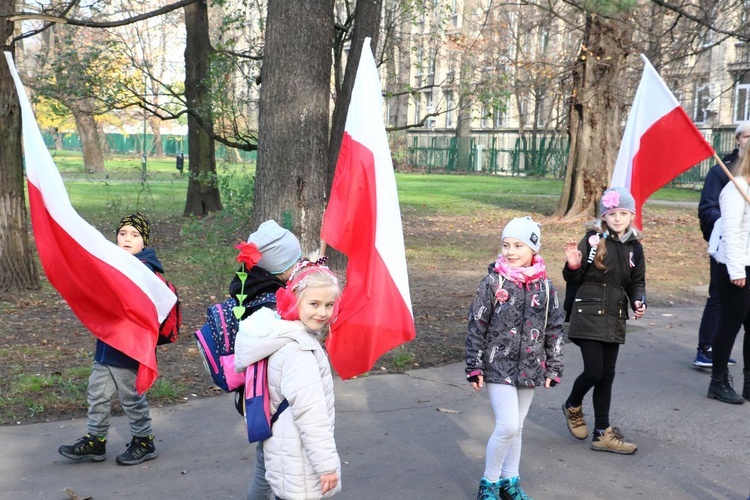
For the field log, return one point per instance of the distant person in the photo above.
(611, 279)
(514, 344)
(732, 272)
(709, 213)
(301, 460)
(114, 372)
(279, 251)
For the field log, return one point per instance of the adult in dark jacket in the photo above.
(709, 213)
(611, 278)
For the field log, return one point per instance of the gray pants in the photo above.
(104, 382)
(259, 488)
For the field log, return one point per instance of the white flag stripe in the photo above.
(660, 101)
(366, 102)
(42, 172)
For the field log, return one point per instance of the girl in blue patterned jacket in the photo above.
(514, 344)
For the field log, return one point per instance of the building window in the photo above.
(500, 116)
(450, 112)
(429, 108)
(742, 99)
(485, 119)
(702, 98)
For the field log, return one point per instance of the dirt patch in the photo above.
(40, 338)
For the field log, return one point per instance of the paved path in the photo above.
(396, 443)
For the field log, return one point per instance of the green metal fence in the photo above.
(541, 153)
(133, 144)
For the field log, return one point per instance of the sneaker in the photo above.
(510, 489)
(87, 448)
(703, 358)
(576, 423)
(488, 490)
(612, 440)
(139, 450)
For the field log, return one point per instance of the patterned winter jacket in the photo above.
(507, 341)
(601, 300)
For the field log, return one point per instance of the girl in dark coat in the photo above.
(603, 285)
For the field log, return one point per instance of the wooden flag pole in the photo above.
(732, 178)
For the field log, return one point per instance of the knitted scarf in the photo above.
(522, 275)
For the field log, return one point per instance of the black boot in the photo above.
(721, 389)
(746, 387)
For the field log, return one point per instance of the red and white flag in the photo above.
(363, 220)
(114, 295)
(660, 141)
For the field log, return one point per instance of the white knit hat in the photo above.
(524, 229)
(279, 248)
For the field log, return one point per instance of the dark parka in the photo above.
(601, 300)
(507, 341)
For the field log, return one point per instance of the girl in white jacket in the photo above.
(733, 284)
(301, 458)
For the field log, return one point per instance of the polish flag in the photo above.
(363, 220)
(114, 295)
(660, 141)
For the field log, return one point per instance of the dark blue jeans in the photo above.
(735, 313)
(712, 312)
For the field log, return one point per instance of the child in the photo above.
(279, 250)
(115, 372)
(613, 274)
(300, 457)
(514, 343)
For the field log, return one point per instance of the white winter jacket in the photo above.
(302, 446)
(735, 230)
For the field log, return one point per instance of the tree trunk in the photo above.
(203, 195)
(595, 114)
(290, 182)
(366, 24)
(463, 134)
(155, 124)
(93, 157)
(404, 71)
(17, 270)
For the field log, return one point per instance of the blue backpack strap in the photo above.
(283, 406)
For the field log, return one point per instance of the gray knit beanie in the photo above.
(279, 248)
(524, 229)
(741, 129)
(616, 198)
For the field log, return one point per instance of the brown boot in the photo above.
(612, 440)
(576, 423)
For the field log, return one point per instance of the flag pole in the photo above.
(324, 245)
(732, 178)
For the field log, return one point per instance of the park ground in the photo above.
(47, 352)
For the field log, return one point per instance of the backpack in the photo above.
(169, 329)
(256, 403)
(215, 341)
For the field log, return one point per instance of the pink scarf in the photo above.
(522, 275)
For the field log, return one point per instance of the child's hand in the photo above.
(640, 309)
(328, 482)
(548, 382)
(479, 383)
(572, 254)
(740, 282)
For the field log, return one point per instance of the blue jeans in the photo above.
(259, 488)
(712, 312)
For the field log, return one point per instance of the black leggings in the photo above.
(599, 360)
(735, 313)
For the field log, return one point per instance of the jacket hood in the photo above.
(263, 333)
(148, 257)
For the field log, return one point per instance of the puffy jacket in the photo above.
(302, 446)
(600, 308)
(708, 207)
(507, 340)
(734, 248)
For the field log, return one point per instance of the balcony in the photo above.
(741, 61)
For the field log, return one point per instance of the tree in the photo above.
(17, 270)
(203, 193)
(290, 182)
